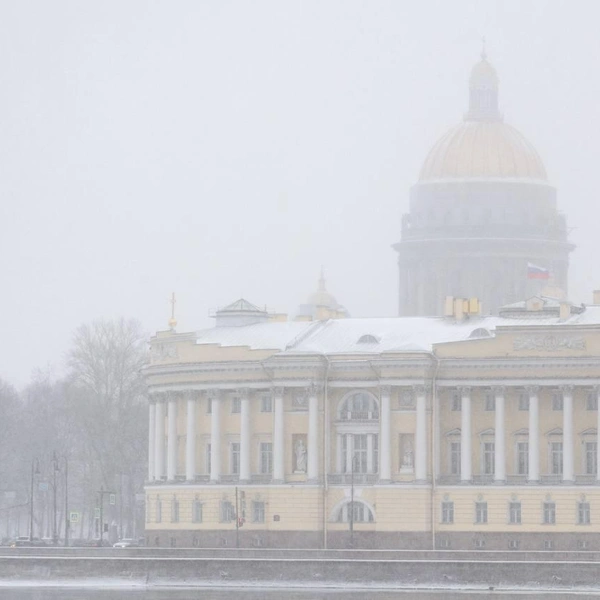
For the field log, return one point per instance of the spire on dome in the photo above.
(483, 91)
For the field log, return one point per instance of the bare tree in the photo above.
(106, 392)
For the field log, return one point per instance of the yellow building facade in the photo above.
(412, 432)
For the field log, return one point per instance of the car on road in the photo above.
(126, 543)
(23, 541)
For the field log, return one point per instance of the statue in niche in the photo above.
(300, 453)
(407, 457)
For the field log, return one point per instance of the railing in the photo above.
(359, 478)
(359, 415)
(261, 478)
(518, 480)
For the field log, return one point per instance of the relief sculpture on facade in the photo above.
(549, 343)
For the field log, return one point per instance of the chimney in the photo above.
(596, 297)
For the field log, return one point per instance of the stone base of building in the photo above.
(371, 540)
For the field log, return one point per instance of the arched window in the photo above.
(360, 406)
(357, 512)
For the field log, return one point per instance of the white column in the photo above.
(215, 438)
(339, 459)
(421, 435)
(568, 474)
(313, 435)
(465, 435)
(369, 453)
(190, 440)
(244, 435)
(595, 390)
(151, 438)
(385, 419)
(159, 441)
(278, 437)
(499, 438)
(172, 438)
(534, 434)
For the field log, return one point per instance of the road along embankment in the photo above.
(317, 572)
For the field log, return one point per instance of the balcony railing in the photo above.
(359, 415)
(359, 478)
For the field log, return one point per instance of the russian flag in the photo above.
(537, 272)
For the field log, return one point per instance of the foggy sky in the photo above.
(225, 149)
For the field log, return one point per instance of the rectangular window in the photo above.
(447, 512)
(266, 403)
(208, 453)
(234, 448)
(523, 458)
(227, 511)
(481, 513)
(549, 513)
(456, 401)
(455, 458)
(174, 510)
(258, 512)
(514, 513)
(523, 401)
(556, 458)
(360, 453)
(583, 513)
(266, 458)
(557, 401)
(197, 511)
(592, 400)
(488, 458)
(209, 406)
(591, 458)
(158, 510)
(489, 401)
(236, 405)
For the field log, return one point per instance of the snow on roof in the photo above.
(394, 334)
(240, 305)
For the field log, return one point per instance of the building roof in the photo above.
(393, 334)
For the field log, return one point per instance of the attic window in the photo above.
(368, 339)
(480, 332)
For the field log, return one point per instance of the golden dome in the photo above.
(483, 149)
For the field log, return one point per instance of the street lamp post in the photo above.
(351, 515)
(35, 470)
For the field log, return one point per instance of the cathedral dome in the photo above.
(483, 149)
(483, 146)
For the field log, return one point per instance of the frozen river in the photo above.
(279, 594)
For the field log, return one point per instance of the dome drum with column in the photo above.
(482, 209)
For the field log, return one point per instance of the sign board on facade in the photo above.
(97, 513)
(112, 499)
(43, 486)
(74, 517)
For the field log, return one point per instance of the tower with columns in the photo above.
(475, 432)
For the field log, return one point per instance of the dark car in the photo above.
(25, 542)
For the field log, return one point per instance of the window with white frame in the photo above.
(174, 510)
(227, 511)
(489, 401)
(266, 458)
(583, 513)
(236, 404)
(266, 403)
(357, 512)
(158, 510)
(591, 457)
(549, 512)
(481, 512)
(454, 457)
(356, 456)
(258, 511)
(514, 512)
(487, 458)
(523, 457)
(359, 406)
(456, 401)
(447, 511)
(197, 510)
(557, 400)
(524, 401)
(592, 400)
(556, 458)
(234, 450)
